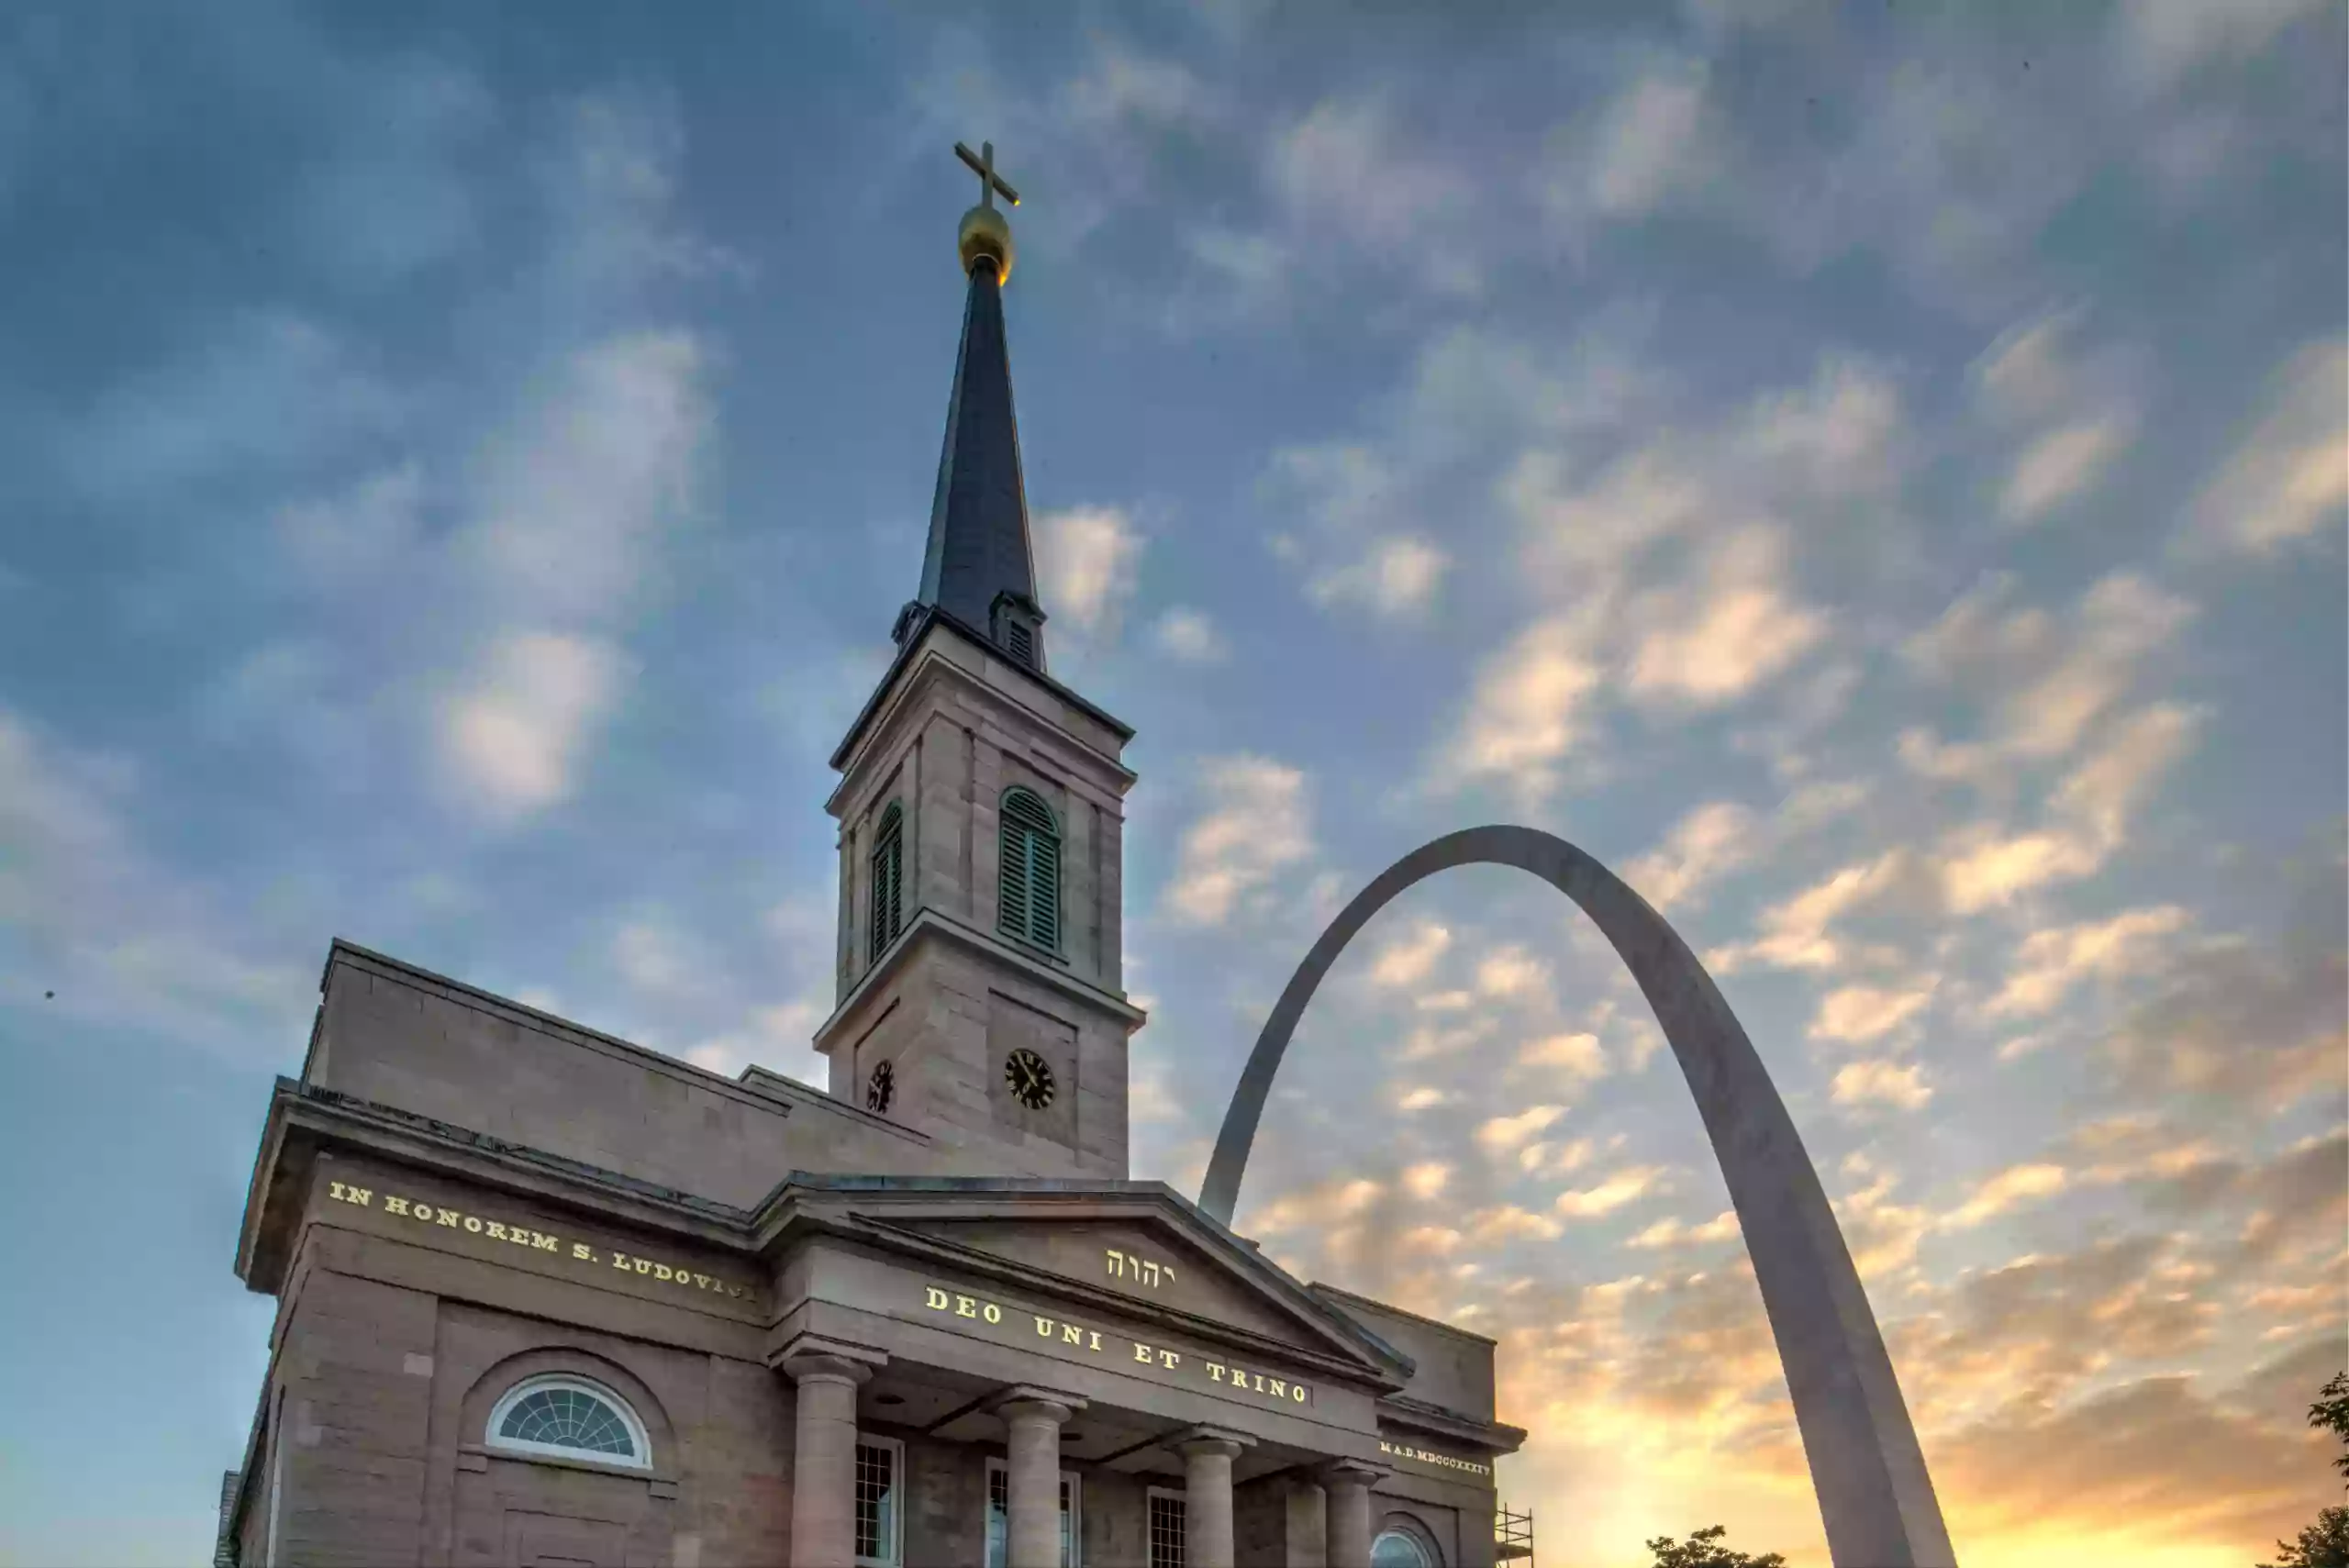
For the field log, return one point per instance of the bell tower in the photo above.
(981, 821)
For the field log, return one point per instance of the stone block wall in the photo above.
(958, 733)
(386, 1398)
(945, 1013)
(353, 1403)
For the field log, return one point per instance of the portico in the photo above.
(950, 1320)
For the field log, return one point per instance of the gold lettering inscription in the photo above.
(1429, 1456)
(528, 1236)
(936, 1298)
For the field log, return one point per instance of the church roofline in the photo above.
(768, 1089)
(1319, 1288)
(926, 616)
(1427, 1416)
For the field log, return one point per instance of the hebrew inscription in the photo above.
(1133, 1265)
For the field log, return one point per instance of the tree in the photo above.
(2324, 1544)
(2332, 1409)
(1703, 1550)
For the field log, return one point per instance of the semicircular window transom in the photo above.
(568, 1416)
(1400, 1549)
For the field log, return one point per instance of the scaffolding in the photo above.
(1513, 1537)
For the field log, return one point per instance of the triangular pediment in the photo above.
(1141, 1253)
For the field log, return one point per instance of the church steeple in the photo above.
(981, 812)
(979, 567)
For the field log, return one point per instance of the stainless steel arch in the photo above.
(1874, 1493)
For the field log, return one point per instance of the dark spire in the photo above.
(979, 567)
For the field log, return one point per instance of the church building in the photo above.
(549, 1299)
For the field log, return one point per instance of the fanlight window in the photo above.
(1028, 900)
(1400, 1549)
(568, 1418)
(888, 882)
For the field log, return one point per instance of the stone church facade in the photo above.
(549, 1299)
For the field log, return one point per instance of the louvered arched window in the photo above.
(1028, 904)
(887, 882)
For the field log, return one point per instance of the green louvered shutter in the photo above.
(888, 881)
(1011, 901)
(1029, 900)
(1044, 889)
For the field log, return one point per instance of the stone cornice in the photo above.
(930, 922)
(916, 646)
(304, 1120)
(1424, 1415)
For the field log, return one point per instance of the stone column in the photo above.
(1347, 1486)
(1032, 1418)
(823, 1470)
(1208, 1453)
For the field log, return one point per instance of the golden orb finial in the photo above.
(986, 233)
(985, 236)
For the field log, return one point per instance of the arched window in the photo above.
(568, 1418)
(1028, 901)
(888, 880)
(1399, 1548)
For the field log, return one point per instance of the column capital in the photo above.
(1350, 1472)
(1221, 1441)
(1028, 1399)
(813, 1356)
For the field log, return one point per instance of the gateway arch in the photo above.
(1874, 1493)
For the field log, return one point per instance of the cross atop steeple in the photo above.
(982, 163)
(979, 568)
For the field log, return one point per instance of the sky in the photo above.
(1872, 474)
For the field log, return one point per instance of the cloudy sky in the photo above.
(1874, 474)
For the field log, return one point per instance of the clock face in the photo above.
(1031, 1077)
